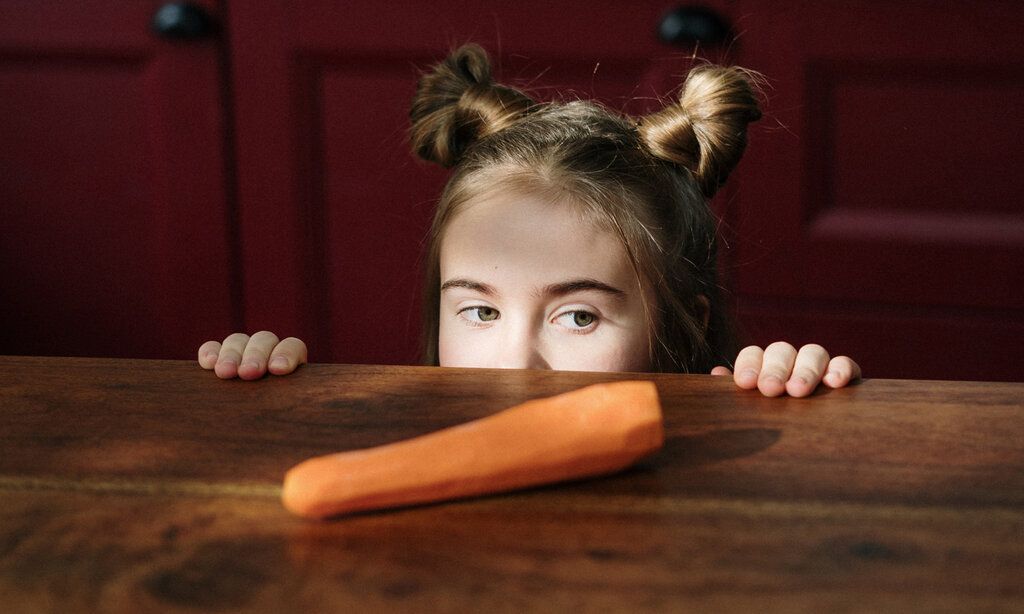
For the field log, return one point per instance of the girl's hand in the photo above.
(781, 368)
(250, 357)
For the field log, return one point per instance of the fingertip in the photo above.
(720, 371)
(836, 379)
(208, 354)
(746, 379)
(251, 370)
(798, 387)
(280, 366)
(296, 348)
(803, 381)
(771, 386)
(226, 369)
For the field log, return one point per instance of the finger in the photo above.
(256, 355)
(748, 367)
(287, 356)
(808, 368)
(776, 368)
(208, 353)
(841, 371)
(721, 371)
(230, 355)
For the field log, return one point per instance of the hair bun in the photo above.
(706, 131)
(457, 104)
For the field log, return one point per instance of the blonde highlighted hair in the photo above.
(646, 179)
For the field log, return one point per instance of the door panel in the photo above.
(883, 182)
(115, 234)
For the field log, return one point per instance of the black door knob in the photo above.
(689, 25)
(183, 21)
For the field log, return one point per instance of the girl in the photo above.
(570, 237)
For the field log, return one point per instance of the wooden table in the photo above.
(134, 486)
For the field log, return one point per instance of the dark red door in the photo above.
(334, 208)
(880, 210)
(115, 226)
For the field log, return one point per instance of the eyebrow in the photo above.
(560, 289)
(468, 284)
(581, 285)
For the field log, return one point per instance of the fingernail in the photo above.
(225, 368)
(279, 363)
(801, 380)
(748, 373)
(251, 364)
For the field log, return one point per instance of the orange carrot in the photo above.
(587, 432)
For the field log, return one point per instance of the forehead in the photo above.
(528, 239)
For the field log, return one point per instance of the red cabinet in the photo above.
(880, 212)
(116, 237)
(159, 193)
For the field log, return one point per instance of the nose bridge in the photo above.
(522, 347)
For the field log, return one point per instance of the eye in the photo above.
(578, 321)
(480, 314)
(582, 319)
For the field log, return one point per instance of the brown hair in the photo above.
(647, 180)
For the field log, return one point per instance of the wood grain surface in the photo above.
(135, 486)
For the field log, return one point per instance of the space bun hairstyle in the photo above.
(705, 132)
(458, 103)
(647, 180)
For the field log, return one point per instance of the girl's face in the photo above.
(528, 284)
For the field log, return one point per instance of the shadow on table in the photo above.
(718, 445)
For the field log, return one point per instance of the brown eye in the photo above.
(582, 319)
(487, 314)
